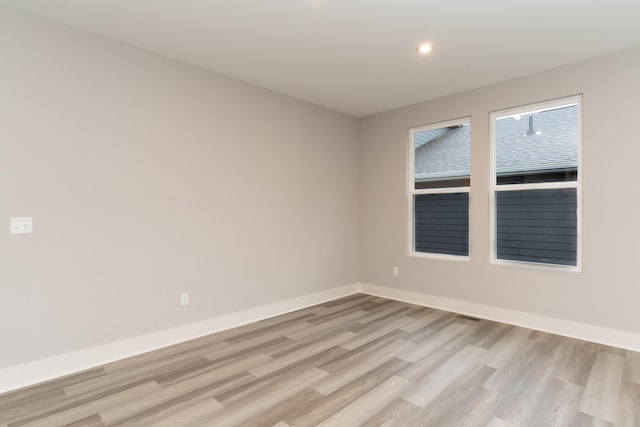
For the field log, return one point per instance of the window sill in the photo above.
(536, 266)
(444, 257)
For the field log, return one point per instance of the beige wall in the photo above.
(147, 177)
(606, 293)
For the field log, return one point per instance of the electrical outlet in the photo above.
(395, 271)
(184, 298)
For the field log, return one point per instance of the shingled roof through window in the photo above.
(445, 156)
(550, 144)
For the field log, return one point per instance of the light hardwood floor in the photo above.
(356, 361)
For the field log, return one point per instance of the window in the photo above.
(438, 196)
(536, 184)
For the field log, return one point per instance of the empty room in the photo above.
(319, 213)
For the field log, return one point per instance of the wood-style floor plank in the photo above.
(398, 412)
(454, 369)
(632, 367)
(363, 408)
(602, 393)
(355, 361)
(463, 403)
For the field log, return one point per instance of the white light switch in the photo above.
(20, 225)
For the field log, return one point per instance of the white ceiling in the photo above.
(359, 56)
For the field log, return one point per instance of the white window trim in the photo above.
(411, 192)
(493, 185)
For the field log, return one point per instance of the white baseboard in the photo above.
(568, 328)
(15, 377)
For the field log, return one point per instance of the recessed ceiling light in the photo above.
(424, 48)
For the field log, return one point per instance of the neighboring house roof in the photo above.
(446, 156)
(552, 146)
(425, 136)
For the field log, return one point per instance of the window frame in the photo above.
(494, 187)
(412, 192)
